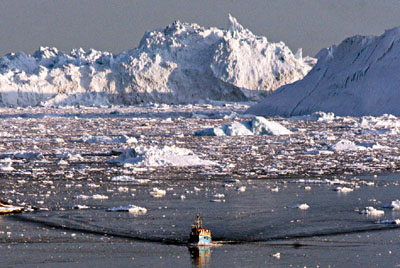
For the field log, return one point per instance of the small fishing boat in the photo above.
(199, 235)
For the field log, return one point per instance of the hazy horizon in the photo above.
(118, 26)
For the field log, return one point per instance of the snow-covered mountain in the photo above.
(182, 63)
(361, 76)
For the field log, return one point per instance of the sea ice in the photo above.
(131, 209)
(372, 211)
(301, 206)
(257, 126)
(158, 192)
(393, 205)
(160, 156)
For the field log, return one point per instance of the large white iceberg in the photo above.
(358, 77)
(182, 63)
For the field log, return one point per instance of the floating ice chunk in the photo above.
(69, 156)
(99, 196)
(219, 195)
(158, 193)
(346, 145)
(131, 209)
(275, 189)
(241, 189)
(218, 200)
(93, 185)
(129, 179)
(28, 155)
(123, 189)
(372, 211)
(105, 139)
(160, 156)
(301, 206)
(317, 116)
(62, 162)
(7, 166)
(80, 207)
(343, 189)
(395, 221)
(277, 255)
(393, 205)
(257, 126)
(96, 196)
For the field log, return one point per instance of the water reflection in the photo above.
(200, 255)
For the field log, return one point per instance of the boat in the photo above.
(199, 236)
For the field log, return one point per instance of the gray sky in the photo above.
(115, 26)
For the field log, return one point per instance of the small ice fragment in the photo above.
(395, 221)
(62, 163)
(343, 189)
(276, 189)
(158, 193)
(217, 200)
(183, 197)
(301, 206)
(308, 188)
(219, 195)
(80, 207)
(99, 196)
(123, 189)
(277, 255)
(241, 189)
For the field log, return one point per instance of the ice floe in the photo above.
(129, 179)
(393, 205)
(157, 192)
(130, 208)
(160, 156)
(105, 139)
(257, 126)
(395, 221)
(372, 211)
(303, 206)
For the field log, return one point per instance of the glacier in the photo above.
(358, 77)
(183, 63)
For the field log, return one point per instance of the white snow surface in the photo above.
(183, 63)
(160, 156)
(358, 77)
(257, 126)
